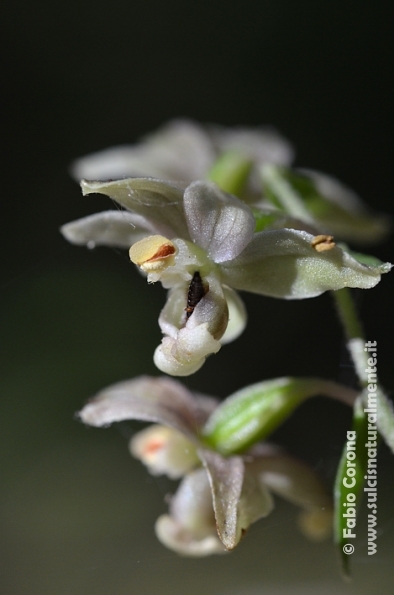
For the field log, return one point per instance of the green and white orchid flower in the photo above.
(200, 242)
(219, 496)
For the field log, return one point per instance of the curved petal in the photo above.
(109, 228)
(157, 201)
(284, 264)
(181, 541)
(226, 478)
(237, 316)
(190, 527)
(218, 222)
(180, 150)
(185, 354)
(161, 400)
(239, 497)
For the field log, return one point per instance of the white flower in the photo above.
(204, 246)
(219, 497)
(183, 150)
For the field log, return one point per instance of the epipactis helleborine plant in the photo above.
(202, 244)
(226, 483)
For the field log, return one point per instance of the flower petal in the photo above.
(161, 400)
(342, 212)
(180, 150)
(262, 145)
(226, 478)
(237, 316)
(218, 222)
(284, 264)
(185, 354)
(109, 228)
(181, 541)
(190, 528)
(293, 480)
(190, 340)
(157, 201)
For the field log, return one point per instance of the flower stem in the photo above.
(356, 346)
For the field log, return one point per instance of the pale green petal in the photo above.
(109, 228)
(323, 201)
(157, 201)
(180, 150)
(218, 222)
(342, 211)
(283, 264)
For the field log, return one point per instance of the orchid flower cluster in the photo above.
(208, 212)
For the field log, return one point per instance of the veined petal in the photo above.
(108, 228)
(161, 400)
(239, 497)
(218, 222)
(159, 202)
(237, 316)
(284, 264)
(226, 477)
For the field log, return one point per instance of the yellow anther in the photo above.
(322, 242)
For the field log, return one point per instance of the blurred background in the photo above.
(77, 512)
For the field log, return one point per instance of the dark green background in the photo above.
(76, 512)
